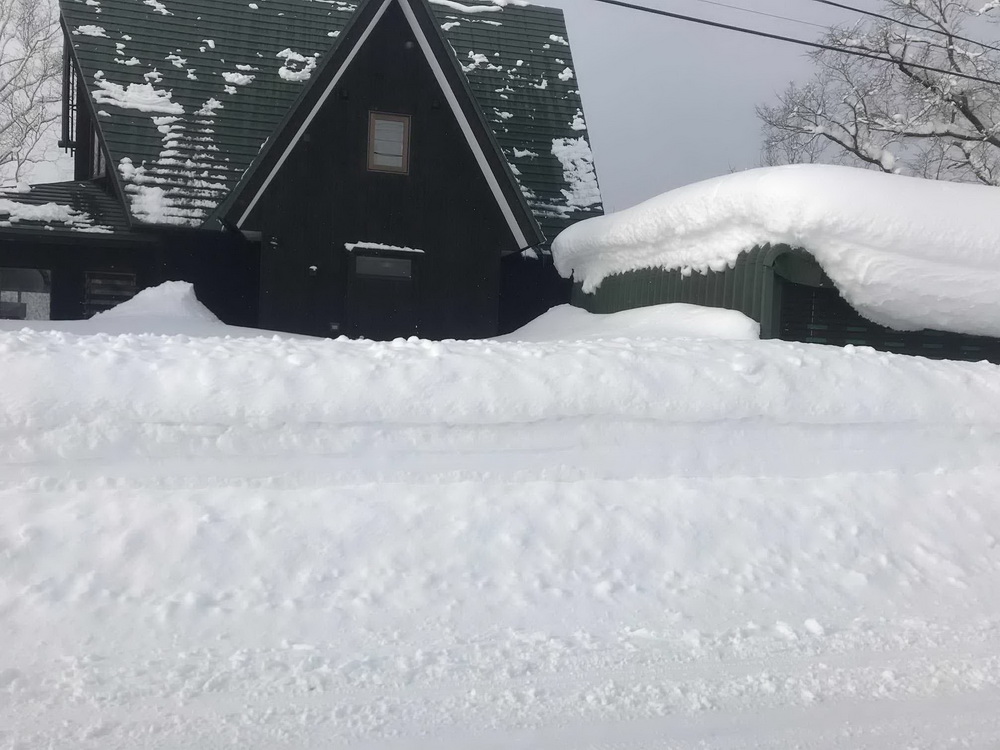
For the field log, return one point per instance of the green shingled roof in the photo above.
(521, 71)
(188, 91)
(71, 206)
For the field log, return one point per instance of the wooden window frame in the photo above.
(374, 117)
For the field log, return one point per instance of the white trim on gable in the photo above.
(466, 126)
(312, 115)
(450, 96)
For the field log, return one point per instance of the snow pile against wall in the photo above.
(905, 252)
(679, 321)
(171, 309)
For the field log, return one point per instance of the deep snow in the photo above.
(905, 252)
(677, 321)
(616, 543)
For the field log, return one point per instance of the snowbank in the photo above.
(53, 379)
(170, 309)
(277, 543)
(679, 321)
(905, 252)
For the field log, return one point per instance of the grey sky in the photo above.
(668, 102)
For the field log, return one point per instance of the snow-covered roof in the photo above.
(67, 206)
(188, 92)
(905, 252)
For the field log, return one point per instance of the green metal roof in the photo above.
(187, 92)
(520, 67)
(70, 206)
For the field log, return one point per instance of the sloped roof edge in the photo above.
(241, 201)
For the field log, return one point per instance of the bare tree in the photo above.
(890, 113)
(30, 66)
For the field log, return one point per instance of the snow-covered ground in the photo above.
(266, 542)
(677, 321)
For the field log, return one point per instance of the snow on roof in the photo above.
(494, 5)
(184, 116)
(50, 215)
(905, 252)
(210, 86)
(516, 63)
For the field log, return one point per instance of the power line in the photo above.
(793, 40)
(762, 13)
(916, 26)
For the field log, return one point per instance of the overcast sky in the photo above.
(669, 102)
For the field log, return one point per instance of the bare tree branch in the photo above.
(890, 114)
(30, 67)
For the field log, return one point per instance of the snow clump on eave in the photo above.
(905, 252)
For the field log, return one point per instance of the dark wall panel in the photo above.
(325, 197)
(222, 267)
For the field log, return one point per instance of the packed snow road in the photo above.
(261, 543)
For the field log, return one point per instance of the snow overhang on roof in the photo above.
(187, 93)
(905, 252)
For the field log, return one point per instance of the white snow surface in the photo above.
(13, 212)
(265, 542)
(578, 170)
(676, 321)
(143, 97)
(170, 309)
(905, 252)
(352, 246)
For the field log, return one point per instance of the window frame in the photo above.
(373, 118)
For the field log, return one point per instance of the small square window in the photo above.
(388, 143)
(25, 293)
(391, 268)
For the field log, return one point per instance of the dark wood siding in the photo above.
(325, 196)
(222, 267)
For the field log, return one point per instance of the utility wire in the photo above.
(793, 40)
(916, 26)
(762, 13)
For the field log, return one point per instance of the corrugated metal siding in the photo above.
(785, 309)
(748, 286)
(821, 316)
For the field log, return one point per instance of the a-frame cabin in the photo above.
(380, 169)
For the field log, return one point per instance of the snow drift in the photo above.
(170, 309)
(278, 543)
(905, 252)
(678, 321)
